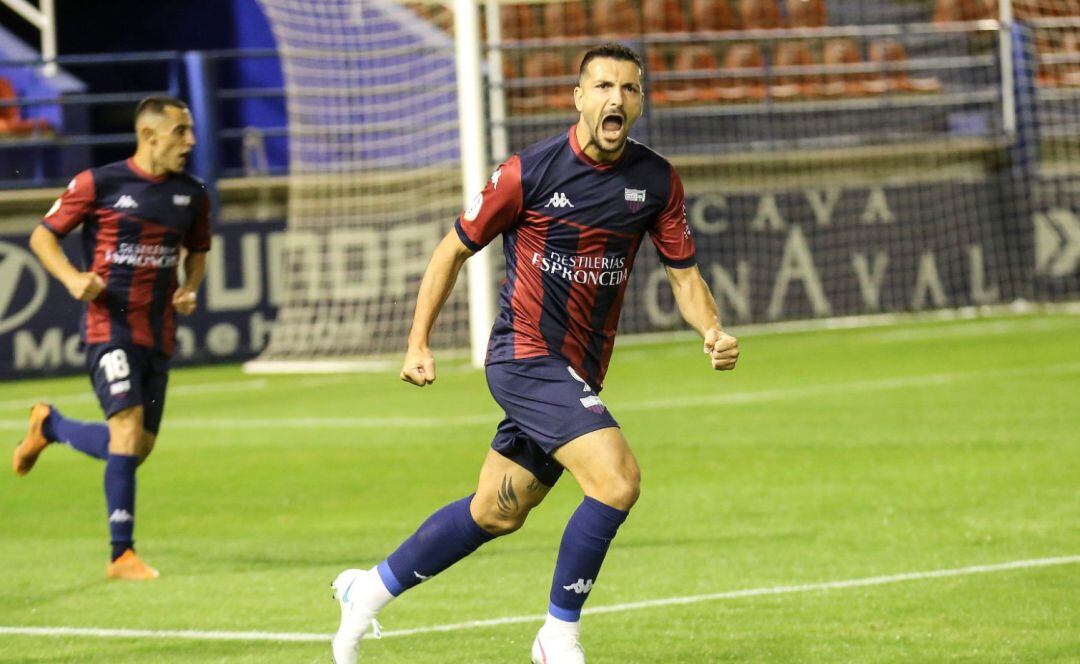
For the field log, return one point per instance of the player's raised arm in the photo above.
(698, 307)
(436, 286)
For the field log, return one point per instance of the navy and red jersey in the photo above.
(571, 227)
(133, 227)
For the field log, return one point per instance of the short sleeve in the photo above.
(671, 233)
(197, 237)
(73, 206)
(494, 210)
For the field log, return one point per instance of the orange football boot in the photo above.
(26, 454)
(131, 567)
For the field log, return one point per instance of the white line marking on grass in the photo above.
(721, 398)
(198, 635)
(179, 390)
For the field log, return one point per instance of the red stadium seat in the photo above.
(840, 52)
(1068, 73)
(616, 18)
(759, 14)
(962, 10)
(806, 14)
(11, 119)
(658, 89)
(891, 52)
(547, 95)
(793, 86)
(663, 16)
(745, 66)
(694, 59)
(564, 19)
(518, 22)
(1062, 72)
(712, 16)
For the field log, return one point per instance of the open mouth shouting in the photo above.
(611, 127)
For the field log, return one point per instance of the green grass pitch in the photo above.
(827, 456)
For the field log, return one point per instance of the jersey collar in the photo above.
(143, 174)
(589, 160)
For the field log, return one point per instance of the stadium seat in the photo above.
(658, 86)
(1058, 56)
(962, 10)
(793, 86)
(888, 52)
(564, 19)
(518, 22)
(616, 18)
(745, 68)
(694, 59)
(759, 14)
(545, 95)
(806, 14)
(712, 16)
(840, 52)
(663, 16)
(11, 119)
(435, 14)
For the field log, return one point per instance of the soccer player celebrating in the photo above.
(137, 216)
(572, 211)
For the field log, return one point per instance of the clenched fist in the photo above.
(184, 301)
(85, 286)
(722, 348)
(418, 367)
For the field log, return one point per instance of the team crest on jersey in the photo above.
(635, 198)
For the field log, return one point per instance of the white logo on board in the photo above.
(16, 266)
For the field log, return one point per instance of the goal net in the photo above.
(374, 178)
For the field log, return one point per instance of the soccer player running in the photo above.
(137, 217)
(572, 211)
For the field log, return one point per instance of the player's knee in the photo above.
(620, 490)
(146, 446)
(498, 522)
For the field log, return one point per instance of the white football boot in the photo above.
(557, 647)
(356, 617)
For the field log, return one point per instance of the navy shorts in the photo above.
(547, 405)
(124, 376)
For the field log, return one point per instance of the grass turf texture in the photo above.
(826, 456)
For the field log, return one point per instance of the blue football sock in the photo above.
(445, 538)
(584, 545)
(90, 438)
(120, 501)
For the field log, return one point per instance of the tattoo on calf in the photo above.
(534, 486)
(508, 500)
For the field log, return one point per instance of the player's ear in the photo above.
(146, 133)
(577, 98)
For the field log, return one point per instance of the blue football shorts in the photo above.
(125, 375)
(547, 405)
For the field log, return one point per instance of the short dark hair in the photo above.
(157, 105)
(610, 50)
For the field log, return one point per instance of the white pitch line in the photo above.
(198, 635)
(716, 399)
(179, 390)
